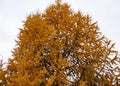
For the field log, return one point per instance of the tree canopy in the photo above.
(60, 47)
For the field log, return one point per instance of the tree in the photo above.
(61, 47)
(2, 74)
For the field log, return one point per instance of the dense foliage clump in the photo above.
(61, 47)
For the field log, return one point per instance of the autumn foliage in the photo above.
(2, 74)
(61, 47)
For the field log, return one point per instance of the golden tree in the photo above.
(2, 74)
(61, 47)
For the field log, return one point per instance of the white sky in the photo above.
(13, 12)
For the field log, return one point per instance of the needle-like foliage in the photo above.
(61, 47)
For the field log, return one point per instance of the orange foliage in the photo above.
(61, 47)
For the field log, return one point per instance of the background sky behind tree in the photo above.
(13, 12)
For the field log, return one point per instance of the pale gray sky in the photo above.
(13, 12)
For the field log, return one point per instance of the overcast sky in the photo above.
(13, 12)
